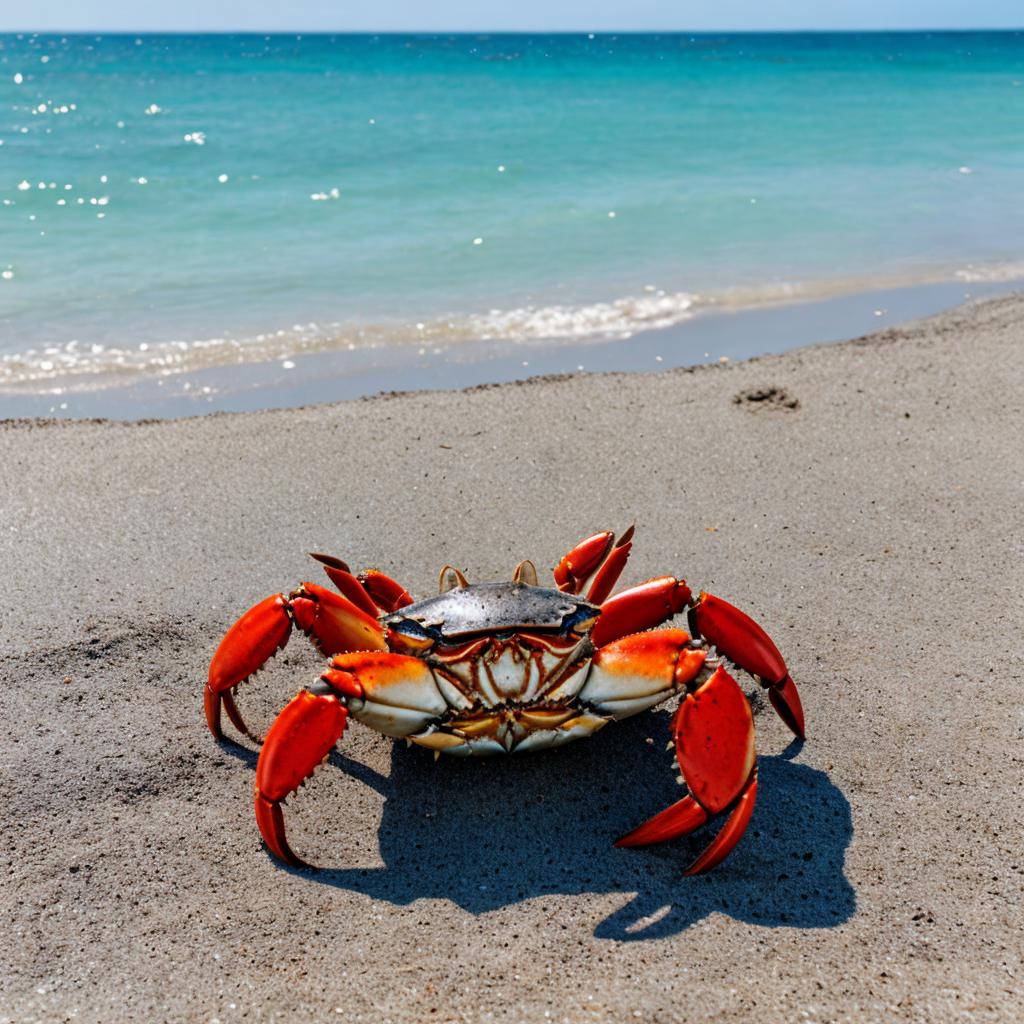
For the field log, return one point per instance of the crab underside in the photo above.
(502, 667)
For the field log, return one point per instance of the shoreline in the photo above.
(711, 335)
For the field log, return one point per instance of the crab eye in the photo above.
(584, 625)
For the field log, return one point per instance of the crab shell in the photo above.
(507, 662)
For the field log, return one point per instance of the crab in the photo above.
(510, 667)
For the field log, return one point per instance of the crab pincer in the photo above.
(736, 635)
(301, 737)
(578, 565)
(247, 646)
(332, 621)
(394, 693)
(713, 731)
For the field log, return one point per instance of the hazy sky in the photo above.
(427, 15)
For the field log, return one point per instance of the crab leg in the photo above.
(713, 732)
(573, 571)
(636, 672)
(247, 646)
(392, 693)
(388, 595)
(302, 736)
(333, 622)
(641, 607)
(744, 642)
(576, 567)
(341, 576)
(609, 573)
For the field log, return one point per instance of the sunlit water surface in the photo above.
(171, 204)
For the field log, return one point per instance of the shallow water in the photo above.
(175, 204)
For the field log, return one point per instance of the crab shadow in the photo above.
(489, 833)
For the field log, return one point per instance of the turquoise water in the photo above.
(178, 202)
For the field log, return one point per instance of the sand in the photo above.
(867, 511)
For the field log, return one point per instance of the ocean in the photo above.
(175, 205)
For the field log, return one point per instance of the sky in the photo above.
(510, 15)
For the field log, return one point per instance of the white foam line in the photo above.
(77, 366)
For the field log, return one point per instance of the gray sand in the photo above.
(875, 529)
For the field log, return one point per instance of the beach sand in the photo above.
(874, 527)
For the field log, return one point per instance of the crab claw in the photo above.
(302, 736)
(334, 622)
(682, 818)
(743, 641)
(575, 568)
(714, 738)
(393, 693)
(341, 576)
(731, 832)
(247, 646)
(639, 671)
(786, 701)
(609, 573)
(388, 595)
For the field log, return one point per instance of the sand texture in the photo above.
(862, 500)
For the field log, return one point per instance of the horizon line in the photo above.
(508, 32)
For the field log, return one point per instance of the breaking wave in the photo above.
(79, 366)
(75, 364)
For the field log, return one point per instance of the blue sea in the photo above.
(175, 204)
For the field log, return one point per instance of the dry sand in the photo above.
(875, 529)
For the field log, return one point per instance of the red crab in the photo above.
(504, 667)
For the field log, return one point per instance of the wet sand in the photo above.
(862, 500)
